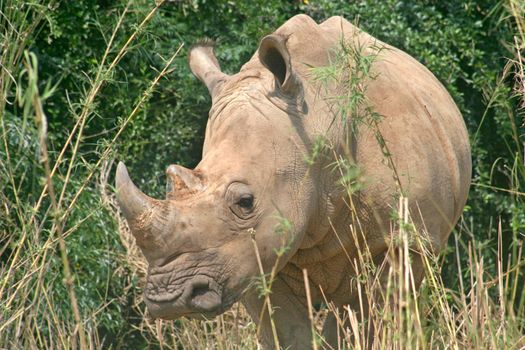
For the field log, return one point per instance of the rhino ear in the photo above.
(275, 56)
(205, 67)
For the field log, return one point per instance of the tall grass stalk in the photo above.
(26, 297)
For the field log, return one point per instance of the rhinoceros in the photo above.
(263, 124)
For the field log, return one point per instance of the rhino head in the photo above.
(198, 241)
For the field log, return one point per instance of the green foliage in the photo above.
(350, 175)
(464, 43)
(319, 147)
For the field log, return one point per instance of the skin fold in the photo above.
(254, 180)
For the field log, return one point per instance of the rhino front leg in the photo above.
(290, 317)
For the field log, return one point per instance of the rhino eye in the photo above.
(246, 202)
(240, 200)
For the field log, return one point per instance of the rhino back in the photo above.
(422, 128)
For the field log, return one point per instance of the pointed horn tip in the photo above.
(131, 200)
(171, 170)
(122, 174)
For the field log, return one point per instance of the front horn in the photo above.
(131, 200)
(147, 217)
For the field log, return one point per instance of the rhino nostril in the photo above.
(204, 298)
(198, 291)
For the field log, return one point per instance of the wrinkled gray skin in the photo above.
(262, 125)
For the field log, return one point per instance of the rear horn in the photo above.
(180, 181)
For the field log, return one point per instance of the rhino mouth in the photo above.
(196, 297)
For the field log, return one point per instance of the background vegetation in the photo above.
(86, 82)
